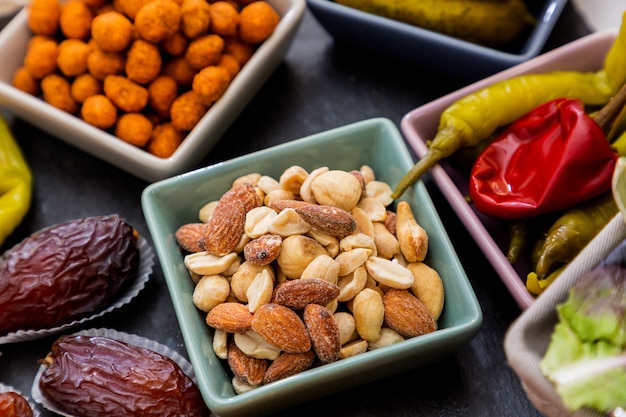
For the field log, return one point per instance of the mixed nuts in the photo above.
(308, 269)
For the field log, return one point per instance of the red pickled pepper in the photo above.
(553, 158)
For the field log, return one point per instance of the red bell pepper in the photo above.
(553, 158)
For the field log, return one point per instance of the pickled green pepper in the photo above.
(475, 117)
(15, 183)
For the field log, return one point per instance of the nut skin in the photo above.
(231, 317)
(328, 219)
(288, 364)
(406, 314)
(190, 237)
(250, 370)
(65, 272)
(95, 376)
(323, 331)
(281, 327)
(298, 293)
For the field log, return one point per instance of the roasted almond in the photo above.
(328, 219)
(288, 364)
(227, 223)
(231, 317)
(263, 250)
(281, 327)
(190, 237)
(297, 293)
(406, 314)
(250, 370)
(323, 331)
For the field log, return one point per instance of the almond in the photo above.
(281, 327)
(406, 314)
(297, 293)
(328, 219)
(250, 370)
(227, 223)
(288, 364)
(231, 317)
(323, 331)
(280, 205)
(263, 250)
(190, 237)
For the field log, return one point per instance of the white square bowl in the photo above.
(199, 141)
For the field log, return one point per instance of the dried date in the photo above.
(94, 376)
(66, 272)
(13, 404)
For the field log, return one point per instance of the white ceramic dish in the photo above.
(420, 125)
(199, 141)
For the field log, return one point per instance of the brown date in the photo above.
(13, 404)
(66, 272)
(94, 376)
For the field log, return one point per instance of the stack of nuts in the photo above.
(145, 70)
(308, 269)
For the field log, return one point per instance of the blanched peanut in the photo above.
(353, 348)
(206, 211)
(389, 273)
(387, 338)
(287, 223)
(220, 343)
(368, 173)
(323, 267)
(241, 280)
(373, 208)
(305, 190)
(267, 184)
(242, 387)
(386, 244)
(252, 178)
(234, 266)
(254, 345)
(352, 284)
(210, 291)
(347, 327)
(260, 290)
(363, 222)
(258, 221)
(278, 194)
(412, 237)
(369, 312)
(292, 179)
(330, 243)
(427, 287)
(203, 263)
(351, 260)
(380, 191)
(358, 240)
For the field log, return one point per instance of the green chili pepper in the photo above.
(572, 231)
(519, 238)
(476, 116)
(15, 183)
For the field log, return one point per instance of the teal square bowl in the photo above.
(169, 203)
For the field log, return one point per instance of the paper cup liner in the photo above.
(132, 339)
(146, 263)
(8, 388)
(528, 337)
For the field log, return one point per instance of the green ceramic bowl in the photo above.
(172, 202)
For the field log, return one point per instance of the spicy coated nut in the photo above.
(99, 111)
(125, 94)
(112, 31)
(157, 20)
(210, 83)
(257, 21)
